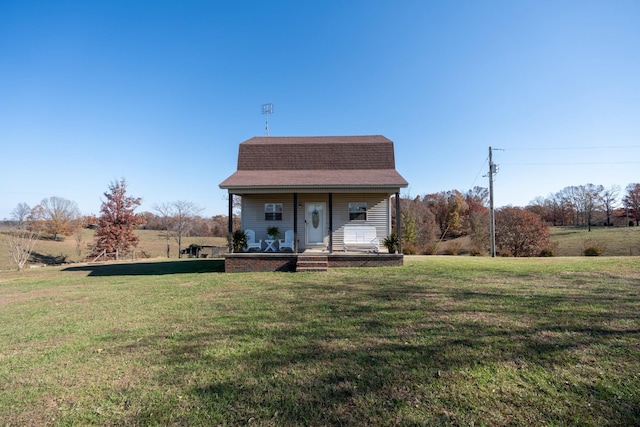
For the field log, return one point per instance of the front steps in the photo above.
(312, 263)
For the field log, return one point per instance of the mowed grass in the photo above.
(440, 341)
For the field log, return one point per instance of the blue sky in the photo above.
(162, 92)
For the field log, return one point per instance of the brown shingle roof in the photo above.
(316, 161)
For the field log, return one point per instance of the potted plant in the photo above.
(391, 242)
(239, 240)
(273, 232)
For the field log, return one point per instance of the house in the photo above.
(316, 186)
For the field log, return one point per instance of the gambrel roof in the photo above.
(316, 161)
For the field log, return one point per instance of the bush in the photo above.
(430, 250)
(453, 248)
(593, 247)
(409, 249)
(592, 251)
(547, 252)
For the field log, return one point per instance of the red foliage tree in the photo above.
(520, 233)
(117, 220)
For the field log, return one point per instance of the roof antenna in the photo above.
(266, 110)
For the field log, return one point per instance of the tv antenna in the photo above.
(266, 110)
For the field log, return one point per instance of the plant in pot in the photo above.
(273, 232)
(391, 242)
(239, 240)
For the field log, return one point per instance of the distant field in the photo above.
(152, 242)
(624, 241)
(455, 341)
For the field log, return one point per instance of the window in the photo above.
(273, 211)
(357, 211)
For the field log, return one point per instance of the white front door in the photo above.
(315, 223)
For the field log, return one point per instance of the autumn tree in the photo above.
(631, 201)
(56, 216)
(117, 220)
(478, 218)
(450, 211)
(419, 227)
(520, 233)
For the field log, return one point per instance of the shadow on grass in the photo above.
(153, 268)
(38, 258)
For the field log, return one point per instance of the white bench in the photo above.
(360, 237)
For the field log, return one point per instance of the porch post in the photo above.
(295, 223)
(230, 226)
(398, 223)
(330, 223)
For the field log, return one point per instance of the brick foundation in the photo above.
(250, 262)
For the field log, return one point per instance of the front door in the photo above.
(314, 223)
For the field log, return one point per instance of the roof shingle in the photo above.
(316, 161)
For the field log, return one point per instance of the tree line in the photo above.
(426, 220)
(520, 231)
(56, 218)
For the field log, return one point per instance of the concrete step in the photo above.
(312, 263)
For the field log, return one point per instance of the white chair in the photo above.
(251, 241)
(287, 242)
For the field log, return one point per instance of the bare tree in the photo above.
(609, 199)
(592, 201)
(631, 201)
(20, 241)
(177, 218)
(20, 214)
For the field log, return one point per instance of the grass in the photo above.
(440, 341)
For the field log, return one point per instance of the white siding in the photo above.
(253, 213)
(378, 213)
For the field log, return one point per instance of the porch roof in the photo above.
(307, 162)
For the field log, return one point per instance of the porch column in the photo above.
(295, 223)
(230, 226)
(330, 223)
(398, 223)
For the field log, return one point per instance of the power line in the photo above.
(594, 147)
(570, 163)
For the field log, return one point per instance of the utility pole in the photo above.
(493, 169)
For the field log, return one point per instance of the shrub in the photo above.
(409, 249)
(453, 248)
(592, 251)
(431, 249)
(547, 252)
(593, 247)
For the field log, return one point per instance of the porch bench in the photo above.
(360, 237)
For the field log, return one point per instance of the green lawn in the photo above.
(440, 341)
